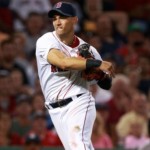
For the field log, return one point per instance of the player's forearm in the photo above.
(57, 58)
(72, 63)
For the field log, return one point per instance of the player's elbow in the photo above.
(105, 83)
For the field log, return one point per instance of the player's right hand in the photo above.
(108, 68)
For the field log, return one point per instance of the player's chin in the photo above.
(60, 31)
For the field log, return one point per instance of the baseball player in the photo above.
(67, 98)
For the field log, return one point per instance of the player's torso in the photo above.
(57, 83)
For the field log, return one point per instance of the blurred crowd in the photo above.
(119, 30)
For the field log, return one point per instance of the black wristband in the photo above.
(105, 83)
(90, 63)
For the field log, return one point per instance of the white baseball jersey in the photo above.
(56, 83)
(74, 121)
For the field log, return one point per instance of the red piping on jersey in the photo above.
(69, 87)
(84, 122)
(59, 93)
(62, 87)
(61, 45)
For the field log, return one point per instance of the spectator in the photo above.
(7, 138)
(135, 46)
(32, 142)
(144, 84)
(136, 9)
(22, 59)
(38, 102)
(21, 123)
(103, 109)
(33, 29)
(106, 30)
(38, 105)
(7, 102)
(138, 108)
(21, 9)
(9, 54)
(110, 36)
(119, 104)
(18, 87)
(134, 75)
(39, 127)
(135, 138)
(100, 138)
(93, 9)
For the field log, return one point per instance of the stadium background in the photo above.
(119, 30)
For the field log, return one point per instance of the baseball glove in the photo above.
(93, 73)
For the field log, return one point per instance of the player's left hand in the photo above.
(108, 68)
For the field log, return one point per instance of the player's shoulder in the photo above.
(83, 42)
(92, 49)
(44, 36)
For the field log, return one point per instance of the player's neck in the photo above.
(67, 39)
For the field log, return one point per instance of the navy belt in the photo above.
(63, 102)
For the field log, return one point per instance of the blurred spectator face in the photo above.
(134, 77)
(136, 129)
(120, 85)
(121, 92)
(104, 26)
(5, 124)
(39, 125)
(38, 103)
(34, 24)
(8, 51)
(19, 41)
(4, 85)
(24, 109)
(16, 80)
(139, 103)
(93, 8)
(95, 41)
(136, 39)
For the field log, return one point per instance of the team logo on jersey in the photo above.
(58, 5)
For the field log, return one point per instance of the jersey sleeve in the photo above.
(95, 53)
(96, 56)
(44, 45)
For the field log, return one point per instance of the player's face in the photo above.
(64, 25)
